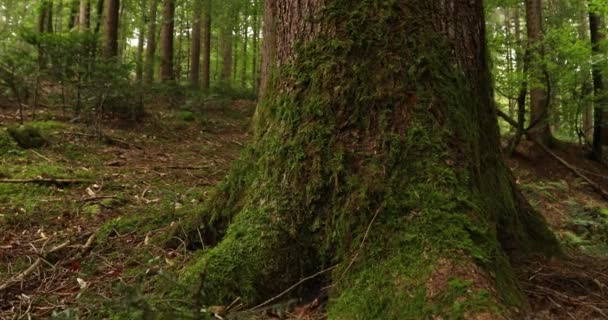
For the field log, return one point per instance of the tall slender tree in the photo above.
(539, 99)
(110, 31)
(600, 112)
(84, 18)
(376, 167)
(195, 47)
(167, 42)
(151, 42)
(206, 45)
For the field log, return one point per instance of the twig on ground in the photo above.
(265, 303)
(54, 181)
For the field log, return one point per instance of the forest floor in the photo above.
(90, 245)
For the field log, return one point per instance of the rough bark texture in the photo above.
(376, 151)
(166, 41)
(268, 46)
(539, 107)
(110, 30)
(195, 47)
(600, 113)
(207, 45)
(151, 43)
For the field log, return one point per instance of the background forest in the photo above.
(120, 118)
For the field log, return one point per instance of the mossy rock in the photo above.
(27, 137)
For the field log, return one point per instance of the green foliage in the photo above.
(27, 137)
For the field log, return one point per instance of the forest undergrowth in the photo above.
(84, 222)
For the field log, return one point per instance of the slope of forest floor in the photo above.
(91, 245)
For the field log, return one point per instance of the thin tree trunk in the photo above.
(84, 19)
(74, 5)
(600, 103)
(226, 40)
(141, 39)
(151, 43)
(256, 36)
(586, 87)
(110, 31)
(166, 42)
(539, 107)
(207, 46)
(245, 58)
(196, 44)
(100, 17)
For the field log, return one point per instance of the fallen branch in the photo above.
(107, 138)
(54, 181)
(24, 274)
(570, 167)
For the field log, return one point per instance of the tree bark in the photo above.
(375, 155)
(539, 106)
(151, 43)
(84, 18)
(226, 43)
(268, 46)
(245, 58)
(586, 87)
(166, 42)
(196, 45)
(207, 46)
(100, 17)
(600, 113)
(110, 31)
(141, 39)
(256, 36)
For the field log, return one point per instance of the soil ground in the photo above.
(92, 246)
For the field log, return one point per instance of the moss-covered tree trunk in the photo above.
(375, 151)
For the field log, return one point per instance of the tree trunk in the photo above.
(207, 45)
(84, 19)
(110, 30)
(245, 40)
(49, 16)
(600, 113)
(539, 106)
(196, 44)
(586, 88)
(256, 36)
(375, 155)
(166, 42)
(73, 14)
(151, 43)
(226, 40)
(100, 8)
(141, 38)
(269, 45)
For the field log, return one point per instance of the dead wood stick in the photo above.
(46, 181)
(563, 162)
(107, 138)
(24, 274)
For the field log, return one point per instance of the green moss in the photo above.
(27, 137)
(186, 116)
(8, 146)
